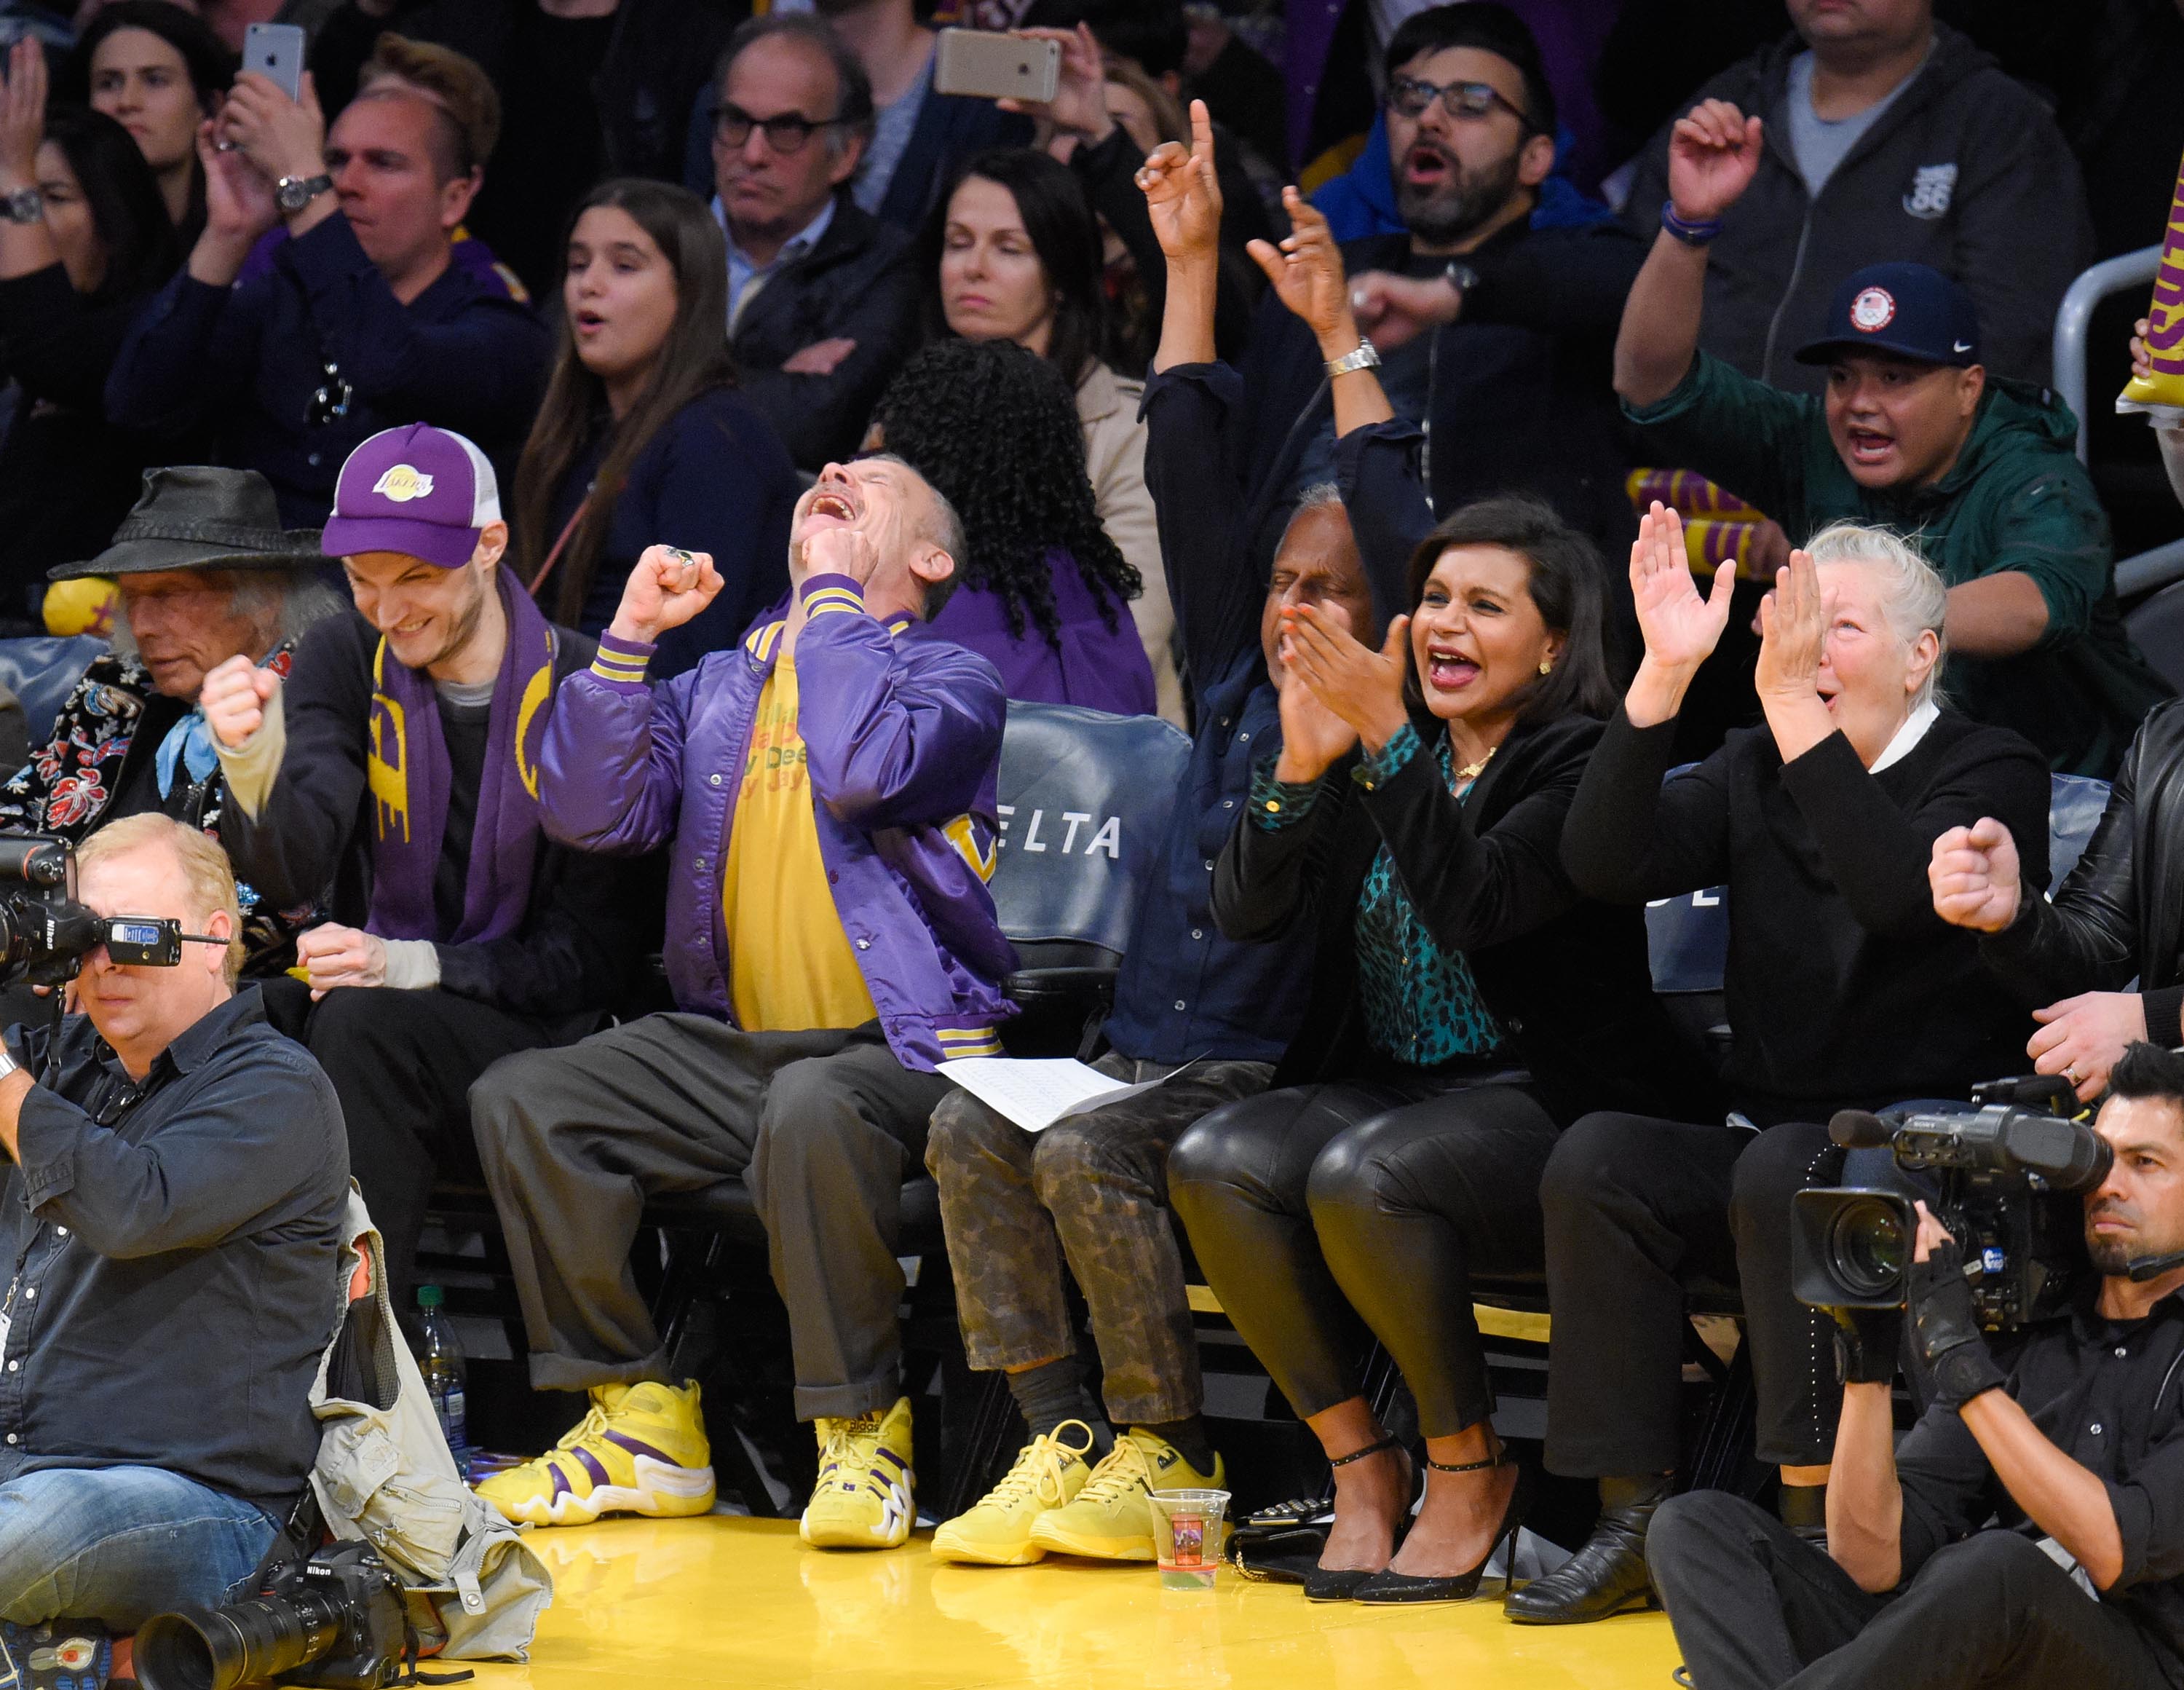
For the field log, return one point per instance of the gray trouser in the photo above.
(1092, 1190)
(823, 1126)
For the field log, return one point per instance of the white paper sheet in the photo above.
(1036, 1092)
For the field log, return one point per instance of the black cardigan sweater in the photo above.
(1845, 990)
(1567, 979)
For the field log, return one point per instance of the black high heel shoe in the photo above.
(1339, 1584)
(1390, 1587)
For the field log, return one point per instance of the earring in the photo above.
(1546, 666)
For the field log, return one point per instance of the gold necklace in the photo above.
(1471, 771)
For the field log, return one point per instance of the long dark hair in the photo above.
(693, 361)
(1567, 582)
(126, 207)
(1064, 233)
(994, 427)
(210, 62)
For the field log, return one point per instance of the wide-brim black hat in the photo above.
(195, 517)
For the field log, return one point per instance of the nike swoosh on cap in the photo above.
(1962, 345)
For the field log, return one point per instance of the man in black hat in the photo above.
(206, 572)
(1913, 434)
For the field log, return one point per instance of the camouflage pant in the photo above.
(1093, 1190)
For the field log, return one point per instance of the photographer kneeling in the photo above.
(2074, 1446)
(170, 1214)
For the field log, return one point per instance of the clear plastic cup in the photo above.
(1186, 1536)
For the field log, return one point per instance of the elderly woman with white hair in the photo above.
(1844, 989)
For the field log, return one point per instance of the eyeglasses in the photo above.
(1460, 100)
(789, 132)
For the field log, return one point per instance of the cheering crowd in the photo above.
(581, 479)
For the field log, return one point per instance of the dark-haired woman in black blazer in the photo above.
(1467, 1004)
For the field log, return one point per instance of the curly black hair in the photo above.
(995, 428)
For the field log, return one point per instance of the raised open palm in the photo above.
(1681, 628)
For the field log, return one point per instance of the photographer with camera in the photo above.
(2074, 1446)
(2113, 923)
(170, 1220)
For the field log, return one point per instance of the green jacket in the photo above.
(2017, 499)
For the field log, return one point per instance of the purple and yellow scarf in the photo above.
(408, 771)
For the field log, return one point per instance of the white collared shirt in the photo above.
(1908, 736)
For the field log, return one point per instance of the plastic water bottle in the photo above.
(440, 1360)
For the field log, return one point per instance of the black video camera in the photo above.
(2009, 1173)
(336, 1620)
(45, 933)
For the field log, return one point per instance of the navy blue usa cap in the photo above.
(1911, 310)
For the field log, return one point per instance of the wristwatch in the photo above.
(292, 193)
(1365, 358)
(1460, 276)
(7, 1062)
(24, 205)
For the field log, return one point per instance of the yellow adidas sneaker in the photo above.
(863, 1500)
(1110, 1520)
(996, 1530)
(641, 1449)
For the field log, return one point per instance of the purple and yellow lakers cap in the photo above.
(421, 491)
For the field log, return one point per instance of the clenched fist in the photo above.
(235, 698)
(841, 551)
(668, 586)
(1976, 877)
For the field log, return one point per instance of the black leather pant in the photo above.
(1316, 1208)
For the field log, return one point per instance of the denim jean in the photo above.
(120, 1544)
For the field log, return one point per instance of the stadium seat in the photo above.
(1084, 801)
(41, 672)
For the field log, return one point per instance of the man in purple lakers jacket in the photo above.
(828, 788)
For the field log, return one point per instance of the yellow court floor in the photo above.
(735, 1602)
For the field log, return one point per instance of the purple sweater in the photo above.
(1091, 665)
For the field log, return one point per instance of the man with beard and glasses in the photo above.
(1496, 337)
(393, 777)
(2028, 1531)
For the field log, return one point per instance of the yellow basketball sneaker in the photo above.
(642, 1449)
(1111, 1520)
(863, 1500)
(996, 1530)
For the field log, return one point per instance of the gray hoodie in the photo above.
(1965, 171)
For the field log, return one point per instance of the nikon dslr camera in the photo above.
(336, 1620)
(45, 933)
(2009, 1173)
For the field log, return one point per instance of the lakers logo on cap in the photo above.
(1872, 311)
(401, 484)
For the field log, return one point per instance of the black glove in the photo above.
(1946, 1328)
(1868, 1343)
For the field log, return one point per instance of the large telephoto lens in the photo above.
(246, 1643)
(1867, 1247)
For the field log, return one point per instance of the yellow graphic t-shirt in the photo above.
(790, 965)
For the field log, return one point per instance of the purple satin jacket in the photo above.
(903, 736)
